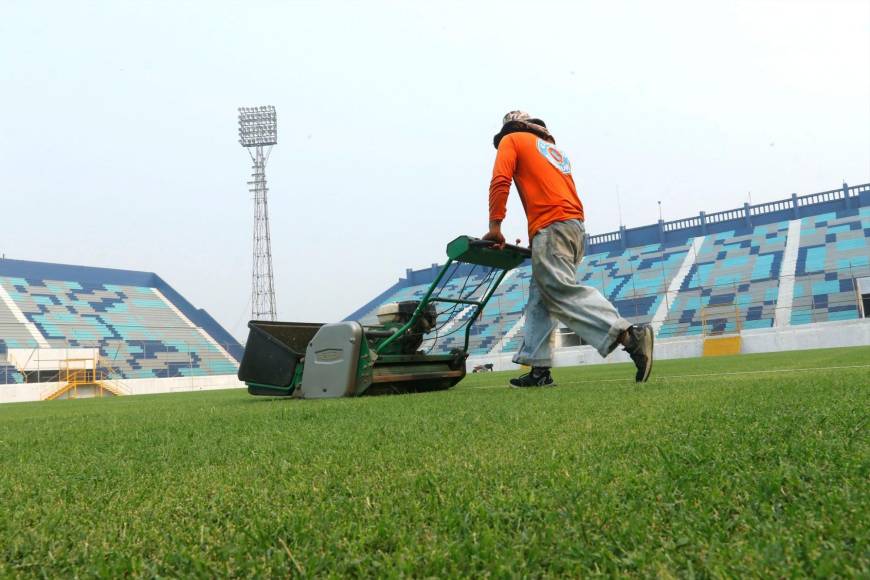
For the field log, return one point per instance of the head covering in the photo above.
(522, 122)
(515, 116)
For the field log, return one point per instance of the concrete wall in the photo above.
(51, 359)
(806, 336)
(800, 337)
(18, 393)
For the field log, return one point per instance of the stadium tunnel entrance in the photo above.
(864, 292)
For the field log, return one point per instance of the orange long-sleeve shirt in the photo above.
(543, 177)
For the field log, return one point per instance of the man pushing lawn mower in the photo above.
(527, 155)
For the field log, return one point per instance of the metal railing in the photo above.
(604, 238)
(724, 216)
(771, 207)
(789, 204)
(821, 197)
(681, 224)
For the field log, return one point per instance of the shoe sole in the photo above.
(553, 384)
(648, 331)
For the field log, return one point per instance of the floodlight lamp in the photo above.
(258, 126)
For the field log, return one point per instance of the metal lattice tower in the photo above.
(258, 131)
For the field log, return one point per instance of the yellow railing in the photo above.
(726, 312)
(83, 373)
(720, 342)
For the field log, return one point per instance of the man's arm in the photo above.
(499, 188)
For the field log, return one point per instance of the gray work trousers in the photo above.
(554, 294)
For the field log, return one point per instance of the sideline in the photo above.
(662, 379)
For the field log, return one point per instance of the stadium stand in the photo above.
(10, 375)
(132, 324)
(511, 301)
(788, 262)
(462, 279)
(733, 282)
(834, 253)
(635, 280)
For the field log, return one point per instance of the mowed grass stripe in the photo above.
(726, 475)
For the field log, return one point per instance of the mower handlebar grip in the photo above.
(507, 247)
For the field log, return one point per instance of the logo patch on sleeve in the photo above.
(554, 156)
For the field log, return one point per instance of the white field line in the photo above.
(665, 378)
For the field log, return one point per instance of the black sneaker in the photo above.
(537, 377)
(640, 349)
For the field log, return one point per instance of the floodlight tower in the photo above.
(258, 129)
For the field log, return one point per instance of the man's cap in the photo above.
(515, 116)
(520, 121)
(521, 116)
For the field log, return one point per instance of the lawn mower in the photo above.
(349, 359)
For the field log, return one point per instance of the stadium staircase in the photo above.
(83, 377)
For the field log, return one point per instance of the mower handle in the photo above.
(475, 242)
(468, 250)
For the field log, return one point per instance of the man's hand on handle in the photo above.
(494, 235)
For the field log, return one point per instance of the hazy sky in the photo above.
(118, 126)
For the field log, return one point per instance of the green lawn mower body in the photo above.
(347, 359)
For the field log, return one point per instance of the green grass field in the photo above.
(717, 467)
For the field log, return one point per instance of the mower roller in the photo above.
(349, 359)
